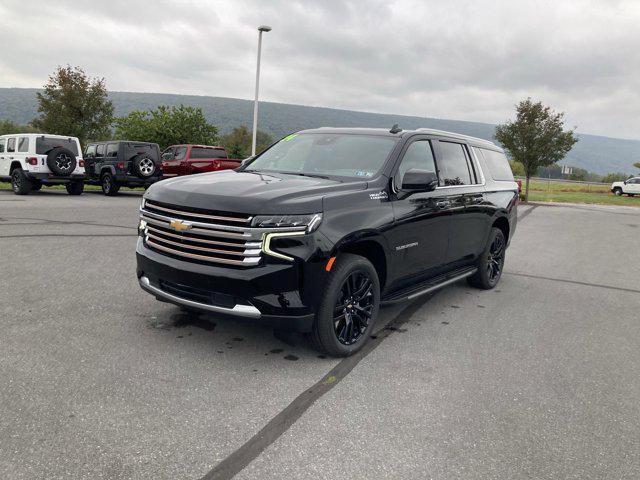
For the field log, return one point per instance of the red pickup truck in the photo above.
(187, 159)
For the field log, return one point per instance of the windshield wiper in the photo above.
(312, 175)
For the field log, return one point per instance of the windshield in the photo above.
(335, 154)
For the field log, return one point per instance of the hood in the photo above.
(249, 192)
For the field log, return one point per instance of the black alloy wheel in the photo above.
(348, 308)
(491, 261)
(495, 259)
(354, 308)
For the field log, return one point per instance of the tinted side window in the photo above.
(497, 164)
(112, 150)
(100, 150)
(11, 145)
(2, 142)
(453, 165)
(91, 152)
(199, 152)
(23, 144)
(418, 155)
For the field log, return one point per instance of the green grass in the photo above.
(566, 187)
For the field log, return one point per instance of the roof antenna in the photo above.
(395, 129)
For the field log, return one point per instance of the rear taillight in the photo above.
(120, 165)
(216, 165)
(81, 163)
(31, 160)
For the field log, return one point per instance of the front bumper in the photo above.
(53, 178)
(271, 294)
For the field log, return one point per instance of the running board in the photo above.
(427, 287)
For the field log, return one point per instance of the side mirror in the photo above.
(415, 180)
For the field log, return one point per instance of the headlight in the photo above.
(311, 221)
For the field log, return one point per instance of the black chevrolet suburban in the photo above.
(122, 163)
(319, 230)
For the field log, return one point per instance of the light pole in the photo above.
(261, 28)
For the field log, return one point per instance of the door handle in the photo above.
(443, 203)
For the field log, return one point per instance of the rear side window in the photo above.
(100, 150)
(45, 144)
(2, 143)
(453, 165)
(23, 144)
(11, 145)
(199, 152)
(112, 150)
(181, 152)
(497, 164)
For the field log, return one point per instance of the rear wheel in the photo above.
(19, 182)
(36, 185)
(75, 188)
(491, 262)
(349, 307)
(109, 185)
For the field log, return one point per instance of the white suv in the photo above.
(631, 187)
(31, 160)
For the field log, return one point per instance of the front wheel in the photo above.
(109, 185)
(20, 183)
(349, 306)
(491, 262)
(617, 191)
(75, 188)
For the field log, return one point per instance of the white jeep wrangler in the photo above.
(31, 160)
(630, 186)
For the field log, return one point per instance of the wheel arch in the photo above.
(371, 248)
(503, 224)
(107, 168)
(15, 164)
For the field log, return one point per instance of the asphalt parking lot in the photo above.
(535, 379)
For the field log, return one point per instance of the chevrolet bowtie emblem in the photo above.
(179, 225)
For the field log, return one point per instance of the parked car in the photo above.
(319, 230)
(31, 160)
(631, 187)
(122, 163)
(188, 159)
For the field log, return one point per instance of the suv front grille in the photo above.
(200, 235)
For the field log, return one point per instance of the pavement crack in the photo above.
(575, 282)
(278, 425)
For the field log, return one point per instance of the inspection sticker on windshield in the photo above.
(289, 137)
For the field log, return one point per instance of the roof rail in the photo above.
(455, 135)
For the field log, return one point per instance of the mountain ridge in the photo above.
(595, 153)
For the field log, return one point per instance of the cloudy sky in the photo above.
(464, 60)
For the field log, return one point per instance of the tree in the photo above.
(167, 126)
(238, 142)
(637, 164)
(516, 168)
(74, 104)
(536, 138)
(7, 127)
(614, 177)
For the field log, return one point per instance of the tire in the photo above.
(144, 166)
(35, 186)
(61, 161)
(109, 185)
(75, 188)
(19, 182)
(347, 336)
(491, 262)
(617, 191)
